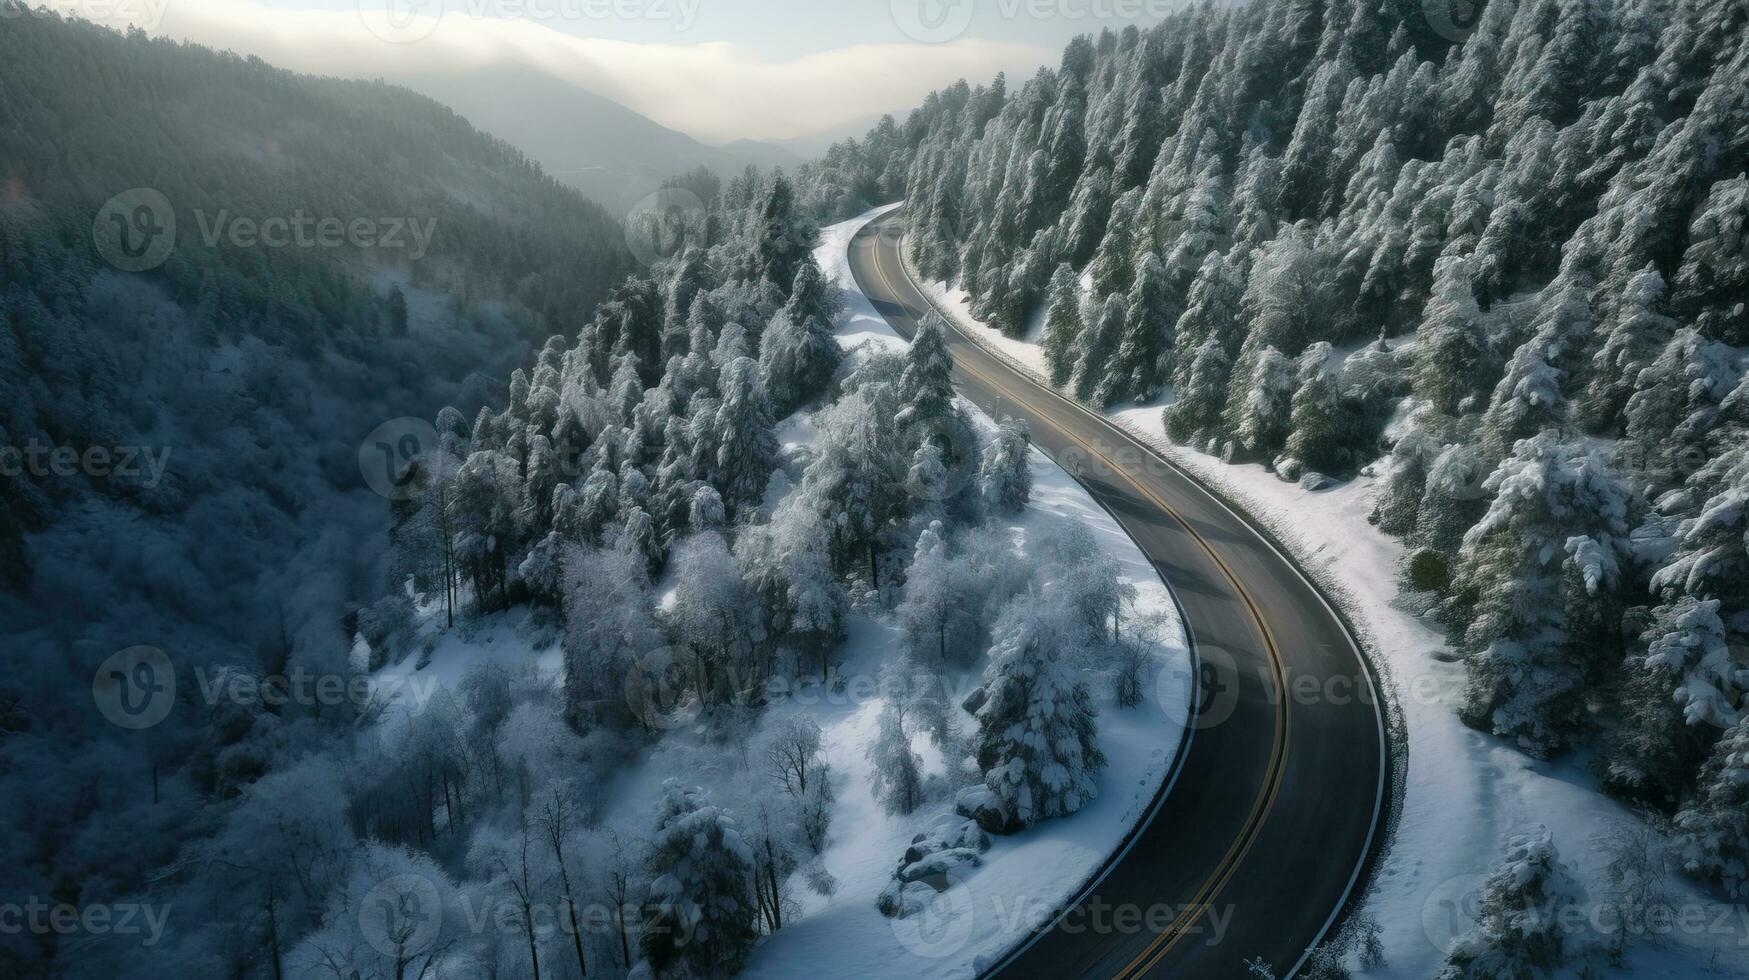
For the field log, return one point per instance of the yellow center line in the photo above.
(1229, 864)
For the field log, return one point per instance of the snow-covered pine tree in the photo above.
(1098, 345)
(1549, 549)
(1322, 428)
(1451, 352)
(1005, 471)
(1531, 396)
(1144, 355)
(1261, 423)
(1037, 740)
(1714, 276)
(700, 918)
(1063, 324)
(1679, 694)
(1636, 333)
(742, 433)
(1202, 394)
(1519, 916)
(1712, 830)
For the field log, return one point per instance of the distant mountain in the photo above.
(585, 140)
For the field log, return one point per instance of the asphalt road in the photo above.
(1270, 820)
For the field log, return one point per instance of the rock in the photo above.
(964, 836)
(1315, 481)
(1288, 468)
(938, 870)
(975, 700)
(901, 899)
(979, 804)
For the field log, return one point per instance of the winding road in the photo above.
(1275, 808)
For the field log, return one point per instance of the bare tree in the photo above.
(556, 818)
(793, 753)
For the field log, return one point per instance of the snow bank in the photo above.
(1466, 792)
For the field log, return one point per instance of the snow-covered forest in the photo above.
(1498, 262)
(535, 715)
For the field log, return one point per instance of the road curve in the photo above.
(1276, 807)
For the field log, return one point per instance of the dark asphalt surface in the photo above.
(1278, 800)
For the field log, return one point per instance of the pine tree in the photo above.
(1634, 336)
(700, 918)
(1713, 829)
(1321, 426)
(745, 442)
(1519, 916)
(1202, 395)
(1678, 696)
(1714, 276)
(1062, 324)
(1531, 396)
(1144, 356)
(1547, 553)
(1098, 347)
(1451, 352)
(1005, 471)
(1037, 741)
(1261, 424)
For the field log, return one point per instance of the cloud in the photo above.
(713, 91)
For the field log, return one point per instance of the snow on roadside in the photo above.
(1466, 792)
(1025, 876)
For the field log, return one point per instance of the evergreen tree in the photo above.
(1005, 471)
(745, 442)
(1713, 829)
(700, 918)
(1679, 694)
(1519, 916)
(1062, 324)
(1098, 346)
(1037, 738)
(1543, 561)
(1201, 396)
(1144, 355)
(1451, 351)
(1634, 336)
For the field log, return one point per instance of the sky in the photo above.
(718, 70)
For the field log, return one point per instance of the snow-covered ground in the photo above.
(1466, 792)
(1024, 877)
